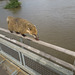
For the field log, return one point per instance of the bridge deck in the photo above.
(3, 72)
(8, 68)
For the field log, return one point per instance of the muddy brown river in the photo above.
(54, 19)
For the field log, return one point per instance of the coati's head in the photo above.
(31, 29)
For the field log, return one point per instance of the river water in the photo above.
(54, 19)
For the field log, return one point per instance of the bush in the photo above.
(13, 4)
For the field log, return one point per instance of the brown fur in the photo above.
(21, 26)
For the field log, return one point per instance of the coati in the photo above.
(21, 26)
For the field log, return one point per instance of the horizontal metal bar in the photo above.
(38, 58)
(66, 51)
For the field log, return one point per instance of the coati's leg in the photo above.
(11, 31)
(17, 32)
(23, 35)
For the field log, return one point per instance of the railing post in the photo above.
(23, 60)
(20, 57)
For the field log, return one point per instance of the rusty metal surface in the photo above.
(2, 71)
(8, 68)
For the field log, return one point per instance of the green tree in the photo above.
(13, 4)
(13, 0)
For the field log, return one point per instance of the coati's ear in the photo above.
(8, 22)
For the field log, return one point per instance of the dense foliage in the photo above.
(12, 4)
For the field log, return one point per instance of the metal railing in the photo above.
(29, 60)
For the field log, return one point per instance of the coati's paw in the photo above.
(11, 31)
(17, 33)
(23, 35)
